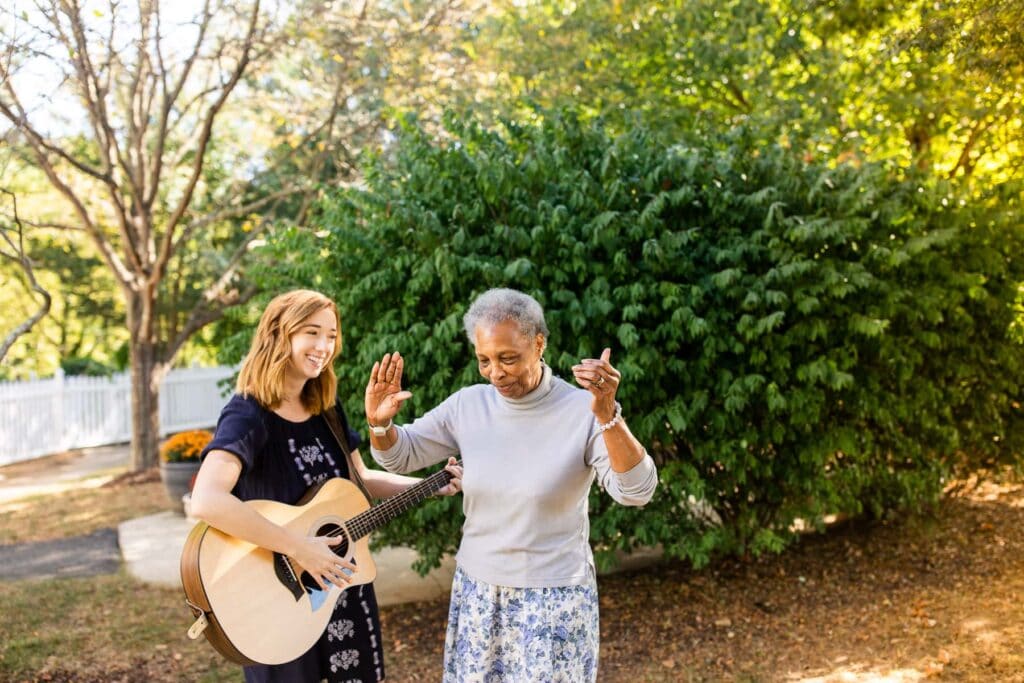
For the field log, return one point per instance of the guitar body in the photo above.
(257, 610)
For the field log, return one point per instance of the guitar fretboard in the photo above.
(382, 513)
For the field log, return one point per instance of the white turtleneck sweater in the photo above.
(528, 466)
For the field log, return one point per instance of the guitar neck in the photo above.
(370, 520)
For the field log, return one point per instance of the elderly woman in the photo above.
(524, 597)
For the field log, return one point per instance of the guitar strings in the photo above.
(400, 503)
(365, 522)
(368, 520)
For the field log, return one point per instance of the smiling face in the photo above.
(509, 359)
(313, 345)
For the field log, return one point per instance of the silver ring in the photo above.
(600, 381)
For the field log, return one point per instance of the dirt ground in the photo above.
(940, 598)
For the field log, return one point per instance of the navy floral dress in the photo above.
(280, 461)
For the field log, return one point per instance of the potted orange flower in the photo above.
(179, 462)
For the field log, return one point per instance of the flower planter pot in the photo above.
(177, 479)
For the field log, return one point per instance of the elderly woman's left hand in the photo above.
(597, 376)
(455, 485)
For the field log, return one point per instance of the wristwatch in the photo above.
(380, 431)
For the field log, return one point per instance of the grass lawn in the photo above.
(106, 628)
(937, 598)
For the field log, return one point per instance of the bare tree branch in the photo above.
(17, 116)
(234, 212)
(200, 155)
(200, 318)
(218, 297)
(53, 225)
(964, 160)
(17, 254)
(117, 266)
(136, 106)
(170, 96)
(95, 95)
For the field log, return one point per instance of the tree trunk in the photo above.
(146, 373)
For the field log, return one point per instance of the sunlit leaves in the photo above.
(936, 86)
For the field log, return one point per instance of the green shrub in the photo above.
(796, 340)
(86, 366)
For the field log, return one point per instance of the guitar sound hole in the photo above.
(334, 530)
(340, 550)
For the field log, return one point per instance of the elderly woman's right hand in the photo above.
(384, 395)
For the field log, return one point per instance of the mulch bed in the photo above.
(938, 597)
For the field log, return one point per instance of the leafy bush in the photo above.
(185, 446)
(796, 339)
(86, 366)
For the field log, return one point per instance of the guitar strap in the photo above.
(334, 424)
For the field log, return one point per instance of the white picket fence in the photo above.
(45, 416)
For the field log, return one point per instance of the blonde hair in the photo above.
(263, 370)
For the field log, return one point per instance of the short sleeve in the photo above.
(354, 438)
(240, 431)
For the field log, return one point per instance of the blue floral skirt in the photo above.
(498, 634)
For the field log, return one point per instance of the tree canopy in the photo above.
(937, 85)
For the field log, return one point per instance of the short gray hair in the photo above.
(499, 305)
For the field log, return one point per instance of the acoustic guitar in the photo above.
(256, 606)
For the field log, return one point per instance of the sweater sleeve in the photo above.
(430, 439)
(634, 487)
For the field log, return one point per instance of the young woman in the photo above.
(524, 598)
(273, 442)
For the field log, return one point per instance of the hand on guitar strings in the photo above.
(315, 556)
(455, 485)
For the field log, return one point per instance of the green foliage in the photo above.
(935, 84)
(86, 366)
(77, 327)
(796, 340)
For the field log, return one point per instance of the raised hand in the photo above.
(597, 376)
(384, 395)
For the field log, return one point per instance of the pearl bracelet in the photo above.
(614, 421)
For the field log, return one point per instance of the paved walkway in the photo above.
(151, 546)
(59, 472)
(89, 555)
